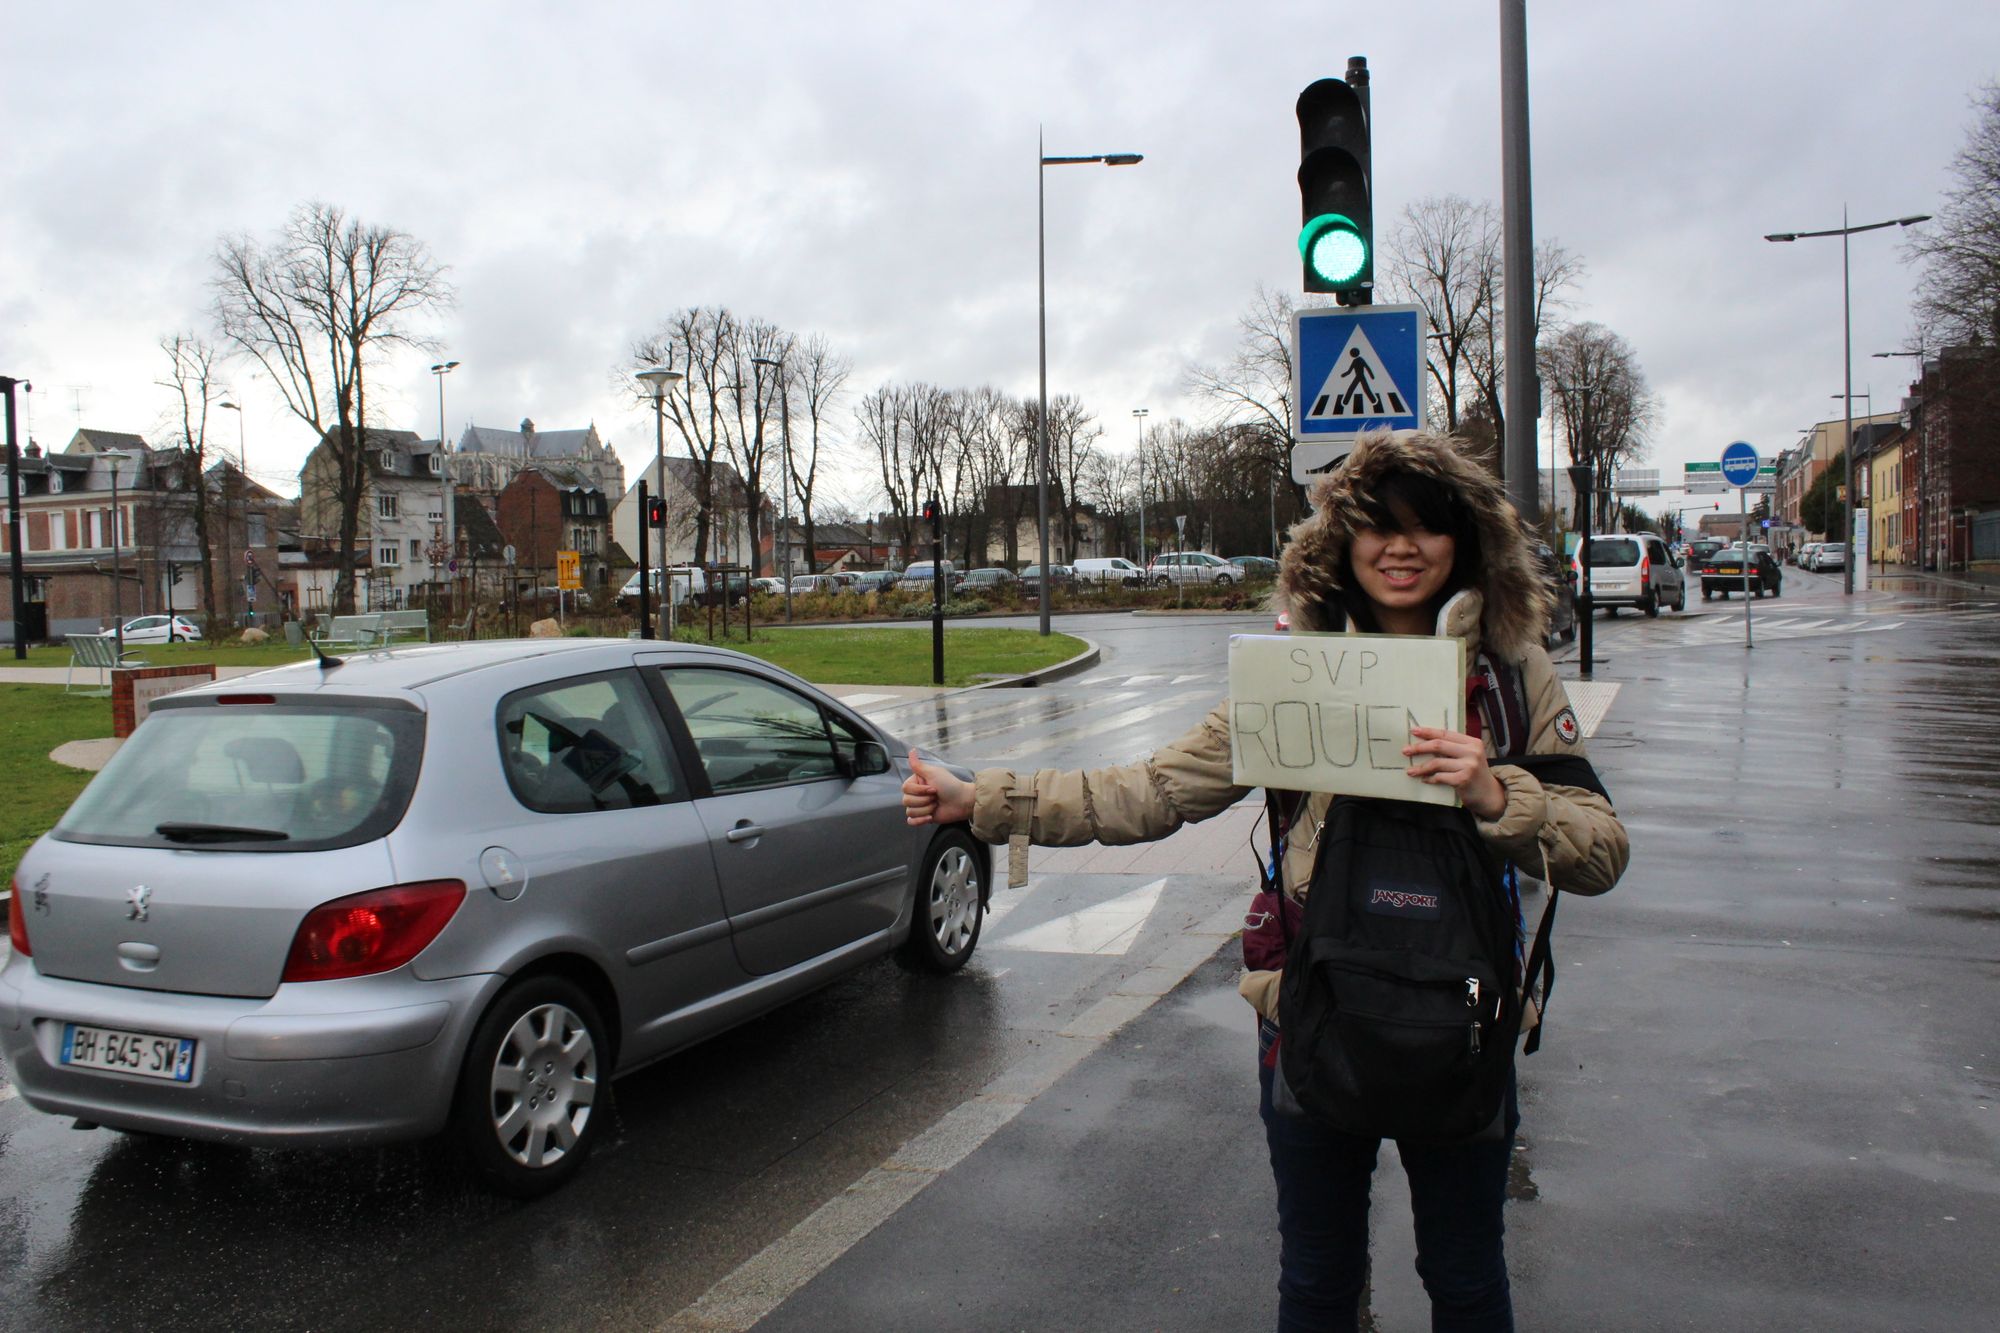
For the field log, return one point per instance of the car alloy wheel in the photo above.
(529, 1097)
(944, 925)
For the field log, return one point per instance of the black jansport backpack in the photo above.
(1399, 1007)
(1401, 999)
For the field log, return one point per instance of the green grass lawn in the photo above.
(34, 719)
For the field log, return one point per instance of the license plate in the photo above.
(146, 1054)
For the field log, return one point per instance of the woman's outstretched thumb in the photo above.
(917, 767)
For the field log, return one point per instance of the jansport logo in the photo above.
(1401, 901)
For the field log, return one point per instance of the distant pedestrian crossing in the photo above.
(1727, 626)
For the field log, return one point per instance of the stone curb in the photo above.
(1083, 661)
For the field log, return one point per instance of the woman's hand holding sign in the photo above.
(931, 795)
(1450, 759)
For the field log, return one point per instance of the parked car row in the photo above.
(1823, 555)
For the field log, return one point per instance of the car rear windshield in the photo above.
(254, 778)
(1613, 551)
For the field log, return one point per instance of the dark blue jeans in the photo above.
(1456, 1193)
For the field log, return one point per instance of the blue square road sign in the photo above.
(1356, 368)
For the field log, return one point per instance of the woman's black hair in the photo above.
(1404, 499)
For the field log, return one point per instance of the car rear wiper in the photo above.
(175, 831)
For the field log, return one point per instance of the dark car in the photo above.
(1700, 549)
(994, 579)
(1722, 573)
(1562, 617)
(1256, 568)
(1060, 576)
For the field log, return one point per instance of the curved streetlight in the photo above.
(243, 497)
(450, 528)
(656, 380)
(1843, 231)
(1042, 294)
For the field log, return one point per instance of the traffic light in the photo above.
(930, 511)
(656, 511)
(1337, 238)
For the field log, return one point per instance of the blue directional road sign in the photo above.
(1739, 464)
(1356, 368)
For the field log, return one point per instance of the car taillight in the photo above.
(1645, 567)
(17, 923)
(376, 931)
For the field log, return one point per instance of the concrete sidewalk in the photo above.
(1767, 1098)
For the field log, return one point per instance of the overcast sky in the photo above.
(867, 171)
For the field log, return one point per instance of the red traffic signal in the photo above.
(656, 512)
(931, 511)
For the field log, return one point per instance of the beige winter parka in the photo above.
(1567, 836)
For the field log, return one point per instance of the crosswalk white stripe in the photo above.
(1142, 680)
(1182, 680)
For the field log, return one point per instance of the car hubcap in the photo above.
(544, 1082)
(954, 900)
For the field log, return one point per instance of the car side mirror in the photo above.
(866, 759)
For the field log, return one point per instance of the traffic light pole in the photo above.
(645, 568)
(937, 592)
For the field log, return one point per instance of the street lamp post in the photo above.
(1139, 415)
(243, 499)
(1042, 307)
(785, 484)
(1843, 231)
(657, 379)
(450, 529)
(115, 457)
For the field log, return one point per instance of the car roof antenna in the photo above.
(326, 663)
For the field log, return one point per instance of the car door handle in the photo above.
(745, 832)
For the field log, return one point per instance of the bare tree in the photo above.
(315, 307)
(191, 379)
(1254, 388)
(755, 389)
(1444, 257)
(904, 427)
(1557, 273)
(1958, 296)
(699, 342)
(816, 376)
(1604, 409)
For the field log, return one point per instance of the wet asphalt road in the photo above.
(1767, 1098)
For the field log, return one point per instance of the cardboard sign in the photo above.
(1332, 712)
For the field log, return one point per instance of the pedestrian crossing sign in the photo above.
(1356, 368)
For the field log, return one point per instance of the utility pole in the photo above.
(1517, 261)
(7, 385)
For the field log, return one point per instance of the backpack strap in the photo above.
(1541, 968)
(1498, 691)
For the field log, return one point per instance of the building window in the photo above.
(437, 464)
(416, 549)
(387, 556)
(385, 506)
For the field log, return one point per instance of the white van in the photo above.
(688, 584)
(1115, 569)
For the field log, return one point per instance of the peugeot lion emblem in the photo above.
(136, 899)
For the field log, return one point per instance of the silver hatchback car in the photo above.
(458, 888)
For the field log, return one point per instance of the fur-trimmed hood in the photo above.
(1514, 599)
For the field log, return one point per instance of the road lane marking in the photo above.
(1182, 680)
(863, 700)
(1142, 680)
(1108, 927)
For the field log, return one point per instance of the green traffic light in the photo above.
(1334, 248)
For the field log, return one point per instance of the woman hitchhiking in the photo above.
(1411, 536)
